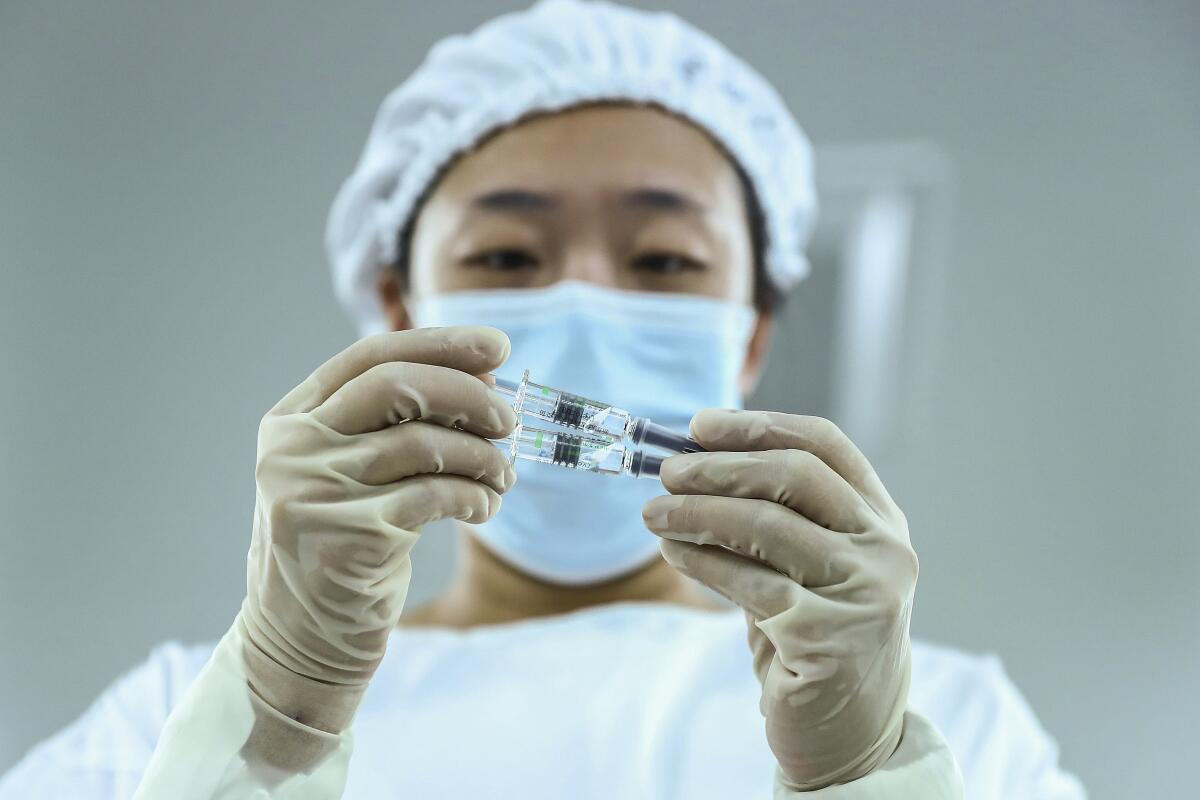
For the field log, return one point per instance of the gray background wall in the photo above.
(164, 176)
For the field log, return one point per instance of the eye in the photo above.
(666, 263)
(502, 260)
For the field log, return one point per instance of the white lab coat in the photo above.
(626, 701)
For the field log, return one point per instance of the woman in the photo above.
(611, 200)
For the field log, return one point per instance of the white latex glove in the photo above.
(792, 524)
(384, 437)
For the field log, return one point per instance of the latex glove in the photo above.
(793, 525)
(383, 438)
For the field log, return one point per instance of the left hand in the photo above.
(786, 518)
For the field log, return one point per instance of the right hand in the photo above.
(384, 437)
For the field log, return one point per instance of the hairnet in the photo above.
(554, 55)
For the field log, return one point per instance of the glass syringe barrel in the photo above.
(566, 409)
(598, 454)
(574, 411)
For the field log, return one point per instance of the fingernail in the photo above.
(491, 343)
(656, 512)
(501, 418)
(680, 467)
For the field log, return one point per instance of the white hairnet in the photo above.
(557, 54)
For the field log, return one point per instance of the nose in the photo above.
(590, 259)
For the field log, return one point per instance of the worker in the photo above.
(610, 199)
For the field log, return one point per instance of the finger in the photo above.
(776, 607)
(417, 448)
(393, 392)
(381, 516)
(796, 479)
(422, 499)
(750, 584)
(740, 431)
(468, 348)
(758, 529)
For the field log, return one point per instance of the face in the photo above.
(620, 196)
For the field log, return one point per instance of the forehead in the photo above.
(597, 149)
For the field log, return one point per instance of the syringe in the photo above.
(572, 411)
(587, 453)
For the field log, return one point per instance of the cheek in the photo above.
(737, 267)
(732, 273)
(429, 255)
(727, 280)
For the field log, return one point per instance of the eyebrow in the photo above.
(515, 200)
(649, 198)
(661, 200)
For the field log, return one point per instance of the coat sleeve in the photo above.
(922, 768)
(103, 753)
(162, 731)
(222, 742)
(1001, 748)
(1013, 755)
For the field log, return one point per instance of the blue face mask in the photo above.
(662, 356)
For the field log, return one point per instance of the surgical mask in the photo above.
(662, 356)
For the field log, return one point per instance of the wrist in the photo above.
(327, 707)
(921, 768)
(858, 741)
